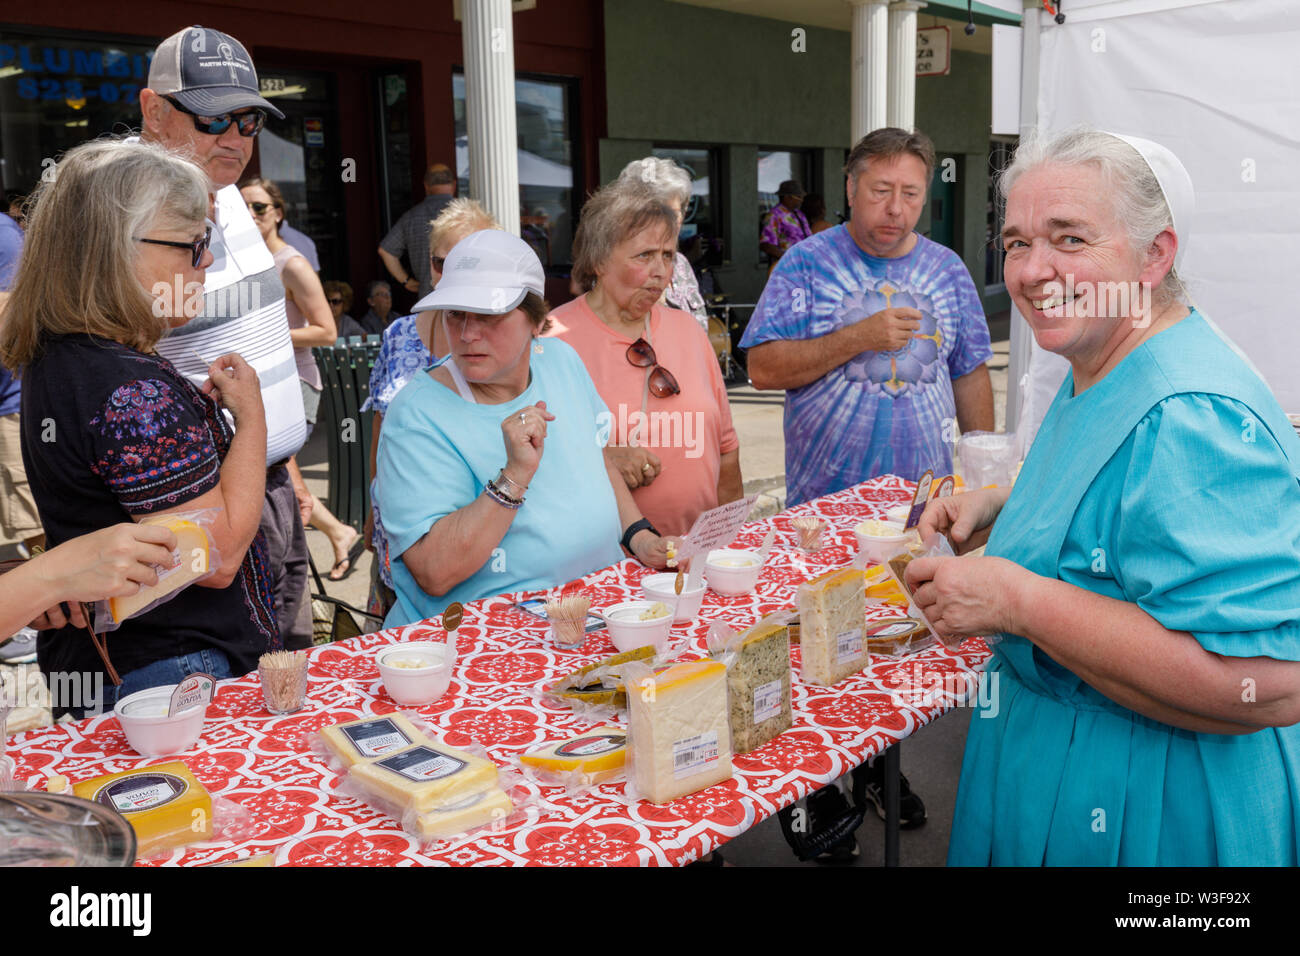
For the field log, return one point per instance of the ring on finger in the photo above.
(646, 467)
(523, 420)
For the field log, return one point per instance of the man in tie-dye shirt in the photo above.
(876, 333)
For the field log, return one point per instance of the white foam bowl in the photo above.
(659, 587)
(422, 683)
(878, 547)
(628, 632)
(731, 571)
(148, 729)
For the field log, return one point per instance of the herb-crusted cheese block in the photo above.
(370, 739)
(428, 776)
(832, 612)
(758, 687)
(680, 737)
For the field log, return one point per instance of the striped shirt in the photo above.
(243, 312)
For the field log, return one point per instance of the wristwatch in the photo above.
(633, 528)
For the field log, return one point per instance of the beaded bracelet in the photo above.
(502, 476)
(501, 498)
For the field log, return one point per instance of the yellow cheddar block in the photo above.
(881, 586)
(479, 810)
(193, 549)
(371, 738)
(680, 737)
(165, 804)
(597, 755)
(428, 776)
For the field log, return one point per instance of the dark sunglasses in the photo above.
(337, 301)
(259, 208)
(662, 384)
(437, 262)
(197, 247)
(249, 124)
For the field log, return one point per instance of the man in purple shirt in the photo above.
(786, 223)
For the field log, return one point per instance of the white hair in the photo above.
(664, 176)
(1136, 197)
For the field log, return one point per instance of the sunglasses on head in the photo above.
(662, 383)
(249, 124)
(197, 247)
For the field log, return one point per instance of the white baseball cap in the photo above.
(488, 273)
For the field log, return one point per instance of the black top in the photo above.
(108, 434)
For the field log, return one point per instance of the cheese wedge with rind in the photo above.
(165, 804)
(194, 551)
(679, 735)
(594, 757)
(370, 738)
(427, 776)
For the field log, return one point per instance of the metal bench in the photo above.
(345, 376)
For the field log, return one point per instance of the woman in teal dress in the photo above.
(1142, 580)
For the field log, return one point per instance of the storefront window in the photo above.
(56, 92)
(700, 238)
(543, 117)
(300, 154)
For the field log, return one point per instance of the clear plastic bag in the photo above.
(197, 559)
(832, 615)
(578, 763)
(679, 736)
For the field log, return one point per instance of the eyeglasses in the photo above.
(197, 247)
(249, 124)
(259, 208)
(662, 384)
(335, 301)
(438, 262)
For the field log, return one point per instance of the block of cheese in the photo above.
(369, 739)
(594, 757)
(679, 735)
(881, 586)
(481, 809)
(193, 550)
(165, 804)
(758, 687)
(898, 637)
(832, 612)
(427, 776)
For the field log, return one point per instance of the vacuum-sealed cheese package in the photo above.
(758, 679)
(832, 615)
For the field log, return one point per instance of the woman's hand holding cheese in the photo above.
(235, 384)
(966, 519)
(968, 597)
(524, 433)
(113, 562)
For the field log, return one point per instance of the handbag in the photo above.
(333, 619)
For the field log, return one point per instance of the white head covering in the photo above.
(1174, 183)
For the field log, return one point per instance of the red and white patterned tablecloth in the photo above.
(266, 765)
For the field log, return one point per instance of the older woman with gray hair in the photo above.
(672, 185)
(671, 424)
(1143, 576)
(117, 248)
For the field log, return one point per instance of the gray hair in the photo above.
(662, 175)
(77, 273)
(612, 214)
(1136, 197)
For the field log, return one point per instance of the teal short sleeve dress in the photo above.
(1171, 483)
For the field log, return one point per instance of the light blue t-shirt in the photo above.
(880, 412)
(437, 452)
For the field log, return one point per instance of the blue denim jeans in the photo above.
(171, 670)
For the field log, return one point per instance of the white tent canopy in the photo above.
(1218, 82)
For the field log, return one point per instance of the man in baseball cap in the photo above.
(203, 100)
(786, 224)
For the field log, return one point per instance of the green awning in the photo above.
(984, 15)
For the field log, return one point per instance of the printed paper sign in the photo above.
(716, 528)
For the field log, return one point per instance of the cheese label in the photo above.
(767, 701)
(422, 764)
(377, 737)
(592, 746)
(136, 794)
(848, 645)
(691, 755)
